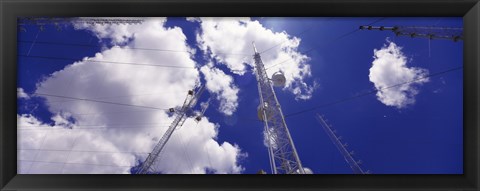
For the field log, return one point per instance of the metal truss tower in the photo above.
(58, 22)
(450, 33)
(181, 116)
(282, 153)
(355, 165)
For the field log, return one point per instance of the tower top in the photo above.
(254, 48)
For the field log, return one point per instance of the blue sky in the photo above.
(421, 135)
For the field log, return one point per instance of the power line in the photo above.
(121, 96)
(98, 101)
(110, 112)
(99, 125)
(304, 31)
(98, 113)
(123, 47)
(137, 124)
(185, 152)
(82, 151)
(34, 161)
(98, 46)
(92, 128)
(111, 62)
(324, 45)
(191, 100)
(311, 49)
(270, 48)
(33, 43)
(115, 112)
(36, 154)
(69, 152)
(371, 92)
(329, 19)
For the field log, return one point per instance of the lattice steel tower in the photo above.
(282, 153)
(450, 33)
(59, 22)
(181, 116)
(337, 140)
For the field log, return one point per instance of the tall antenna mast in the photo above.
(181, 116)
(281, 150)
(355, 165)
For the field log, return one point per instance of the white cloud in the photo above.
(22, 94)
(192, 19)
(221, 84)
(390, 68)
(132, 131)
(269, 140)
(229, 41)
(49, 147)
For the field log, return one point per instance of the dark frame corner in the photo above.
(468, 9)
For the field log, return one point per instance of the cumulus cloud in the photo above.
(22, 94)
(128, 134)
(223, 86)
(229, 41)
(389, 68)
(47, 149)
(268, 138)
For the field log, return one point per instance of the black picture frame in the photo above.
(11, 9)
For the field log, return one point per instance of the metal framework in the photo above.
(282, 153)
(450, 33)
(181, 116)
(57, 22)
(355, 165)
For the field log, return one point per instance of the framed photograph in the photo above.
(213, 94)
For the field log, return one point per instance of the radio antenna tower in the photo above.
(355, 165)
(450, 33)
(181, 116)
(281, 150)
